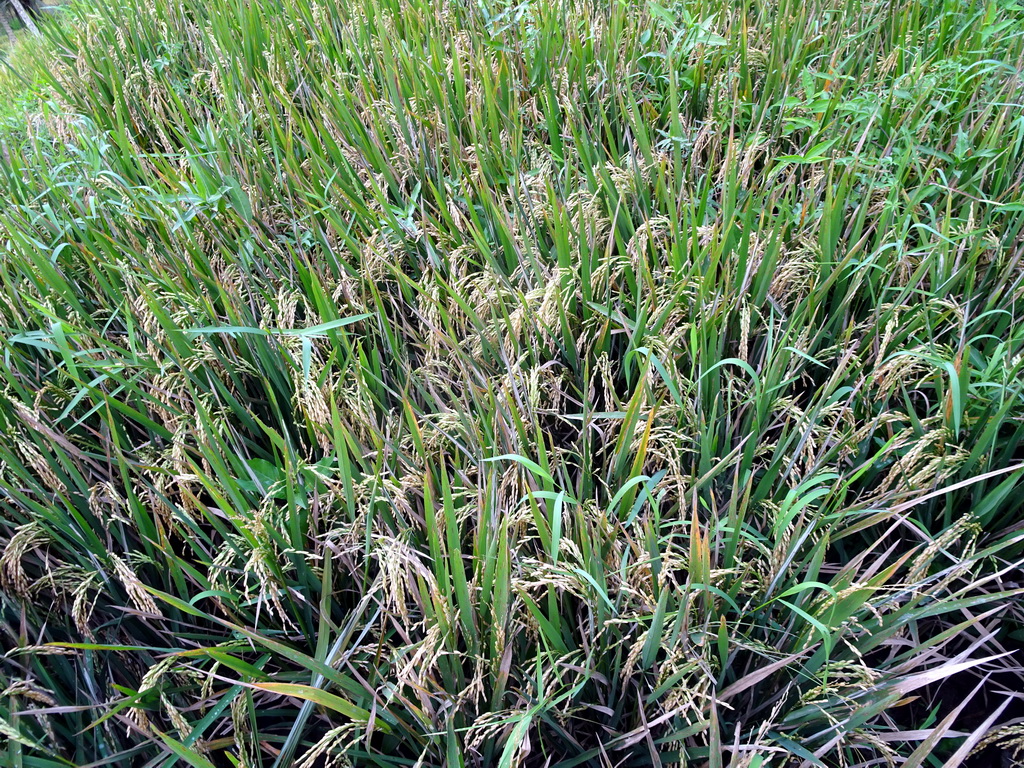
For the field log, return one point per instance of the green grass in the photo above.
(407, 383)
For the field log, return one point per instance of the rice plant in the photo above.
(552, 383)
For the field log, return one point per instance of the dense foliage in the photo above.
(566, 383)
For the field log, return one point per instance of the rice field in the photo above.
(524, 384)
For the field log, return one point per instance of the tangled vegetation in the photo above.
(561, 383)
